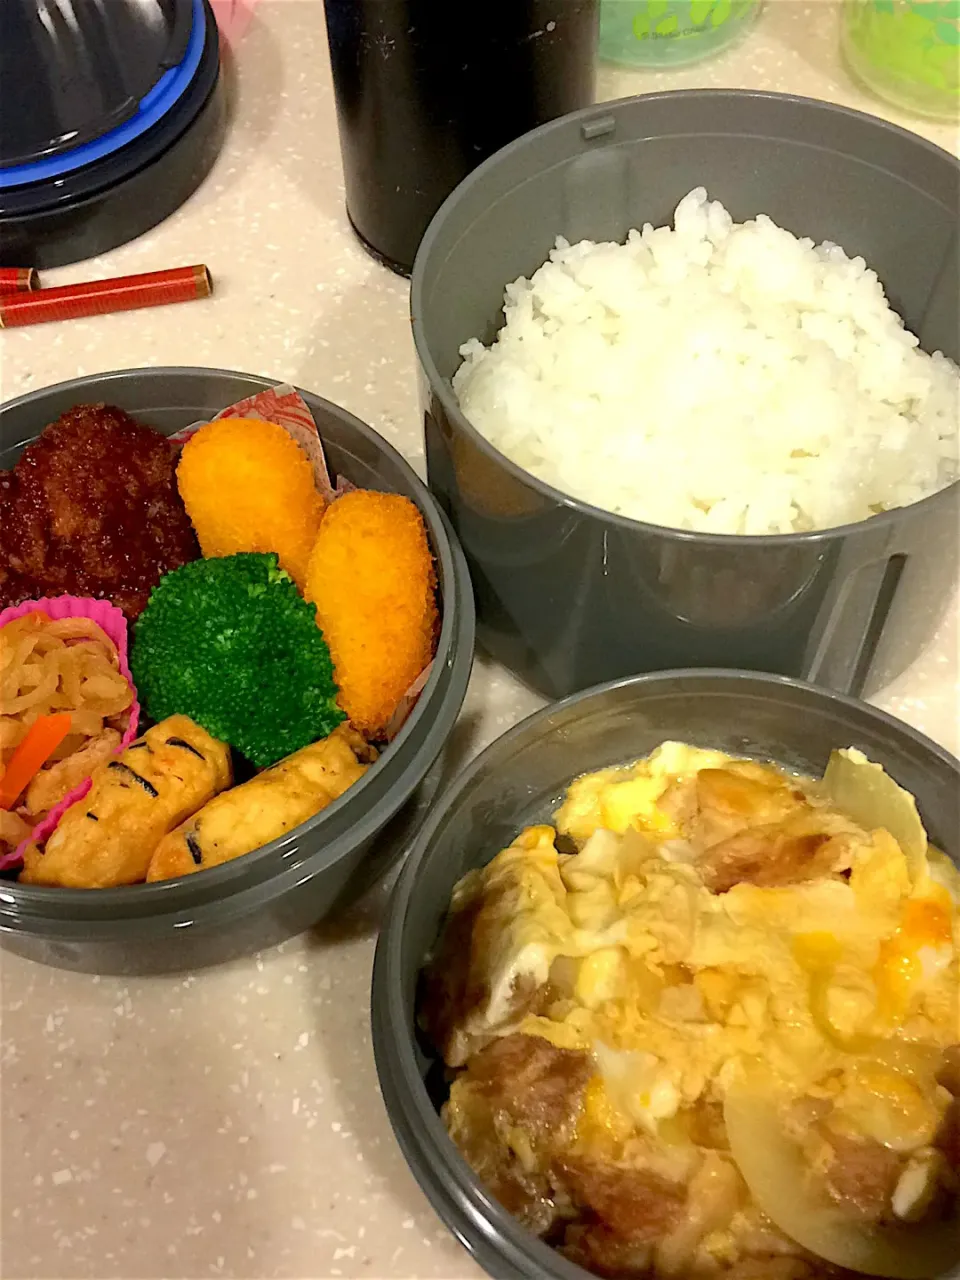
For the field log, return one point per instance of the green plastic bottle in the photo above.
(670, 33)
(907, 51)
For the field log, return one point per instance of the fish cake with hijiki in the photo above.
(108, 837)
(266, 807)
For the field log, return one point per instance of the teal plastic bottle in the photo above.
(670, 33)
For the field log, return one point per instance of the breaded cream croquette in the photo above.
(248, 486)
(371, 576)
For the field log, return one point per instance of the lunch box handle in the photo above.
(861, 606)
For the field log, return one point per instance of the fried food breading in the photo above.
(636, 1204)
(273, 502)
(92, 509)
(371, 576)
(274, 802)
(518, 1084)
(107, 838)
(525, 1080)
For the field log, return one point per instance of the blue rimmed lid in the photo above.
(80, 79)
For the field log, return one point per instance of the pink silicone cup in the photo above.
(111, 620)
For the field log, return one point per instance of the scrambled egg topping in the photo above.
(680, 956)
(687, 980)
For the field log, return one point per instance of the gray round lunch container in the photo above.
(520, 779)
(292, 883)
(567, 594)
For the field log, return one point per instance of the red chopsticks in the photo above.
(29, 305)
(18, 280)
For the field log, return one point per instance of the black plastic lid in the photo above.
(81, 78)
(92, 195)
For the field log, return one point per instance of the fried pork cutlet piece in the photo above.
(636, 1205)
(755, 827)
(948, 1135)
(862, 1176)
(92, 509)
(949, 1073)
(522, 1095)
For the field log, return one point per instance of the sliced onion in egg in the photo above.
(779, 1178)
(872, 799)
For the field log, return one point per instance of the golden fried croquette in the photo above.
(248, 486)
(371, 576)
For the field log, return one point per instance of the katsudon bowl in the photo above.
(290, 884)
(519, 780)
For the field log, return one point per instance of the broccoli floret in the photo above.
(231, 643)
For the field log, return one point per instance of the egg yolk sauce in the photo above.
(707, 1024)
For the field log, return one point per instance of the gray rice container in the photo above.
(292, 883)
(569, 595)
(520, 779)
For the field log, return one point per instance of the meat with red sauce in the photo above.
(92, 509)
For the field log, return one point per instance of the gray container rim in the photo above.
(150, 906)
(450, 1184)
(443, 390)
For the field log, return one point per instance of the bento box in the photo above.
(299, 874)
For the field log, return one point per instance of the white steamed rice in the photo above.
(716, 376)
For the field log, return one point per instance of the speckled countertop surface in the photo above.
(228, 1123)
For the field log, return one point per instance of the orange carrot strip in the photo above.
(43, 737)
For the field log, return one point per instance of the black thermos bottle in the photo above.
(427, 89)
